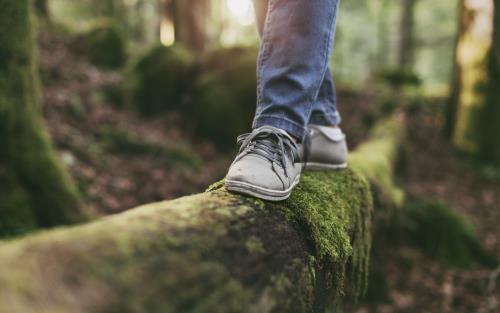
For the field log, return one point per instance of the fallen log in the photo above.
(211, 252)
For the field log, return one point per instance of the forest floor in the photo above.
(120, 160)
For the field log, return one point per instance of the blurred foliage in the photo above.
(368, 37)
(106, 45)
(138, 18)
(225, 95)
(397, 78)
(114, 93)
(444, 234)
(383, 109)
(161, 78)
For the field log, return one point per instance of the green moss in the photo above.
(117, 141)
(161, 79)
(254, 245)
(333, 207)
(16, 216)
(376, 158)
(215, 186)
(443, 234)
(26, 149)
(106, 45)
(225, 100)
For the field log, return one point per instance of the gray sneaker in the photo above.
(268, 165)
(325, 149)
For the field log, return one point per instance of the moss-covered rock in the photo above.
(225, 100)
(161, 79)
(444, 234)
(106, 45)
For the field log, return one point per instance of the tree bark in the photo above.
(190, 17)
(496, 32)
(407, 37)
(489, 142)
(477, 88)
(29, 171)
(383, 29)
(212, 252)
(42, 10)
(453, 101)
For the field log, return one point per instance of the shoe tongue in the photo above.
(278, 130)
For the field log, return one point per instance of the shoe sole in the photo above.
(313, 166)
(260, 192)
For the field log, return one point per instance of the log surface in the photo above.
(211, 252)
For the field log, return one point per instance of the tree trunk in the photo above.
(489, 128)
(478, 99)
(190, 17)
(452, 104)
(407, 37)
(496, 33)
(42, 10)
(383, 31)
(35, 189)
(212, 252)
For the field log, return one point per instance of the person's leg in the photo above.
(293, 61)
(293, 77)
(324, 110)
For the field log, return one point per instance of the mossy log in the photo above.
(35, 190)
(211, 252)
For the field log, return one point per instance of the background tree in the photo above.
(407, 36)
(477, 99)
(189, 18)
(42, 9)
(36, 190)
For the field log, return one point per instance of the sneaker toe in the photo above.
(256, 172)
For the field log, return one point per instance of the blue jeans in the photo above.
(295, 86)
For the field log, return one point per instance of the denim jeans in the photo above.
(295, 86)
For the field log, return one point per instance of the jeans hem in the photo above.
(291, 127)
